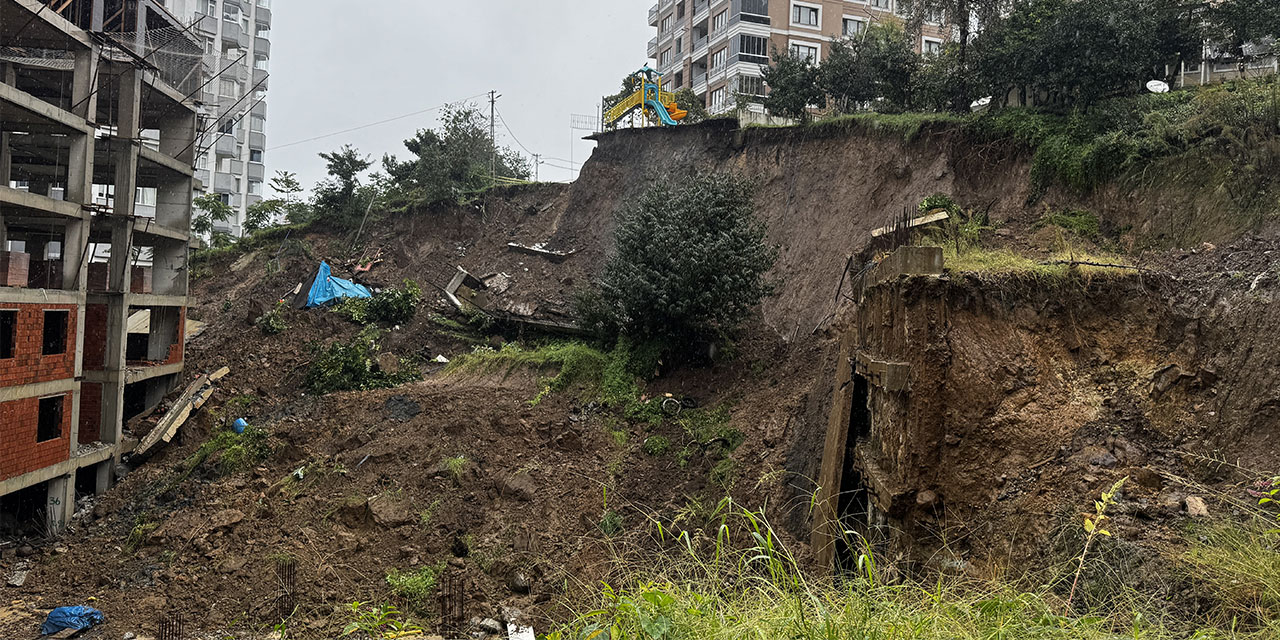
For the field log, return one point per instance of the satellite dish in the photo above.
(980, 104)
(1158, 86)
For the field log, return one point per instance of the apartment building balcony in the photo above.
(262, 46)
(257, 171)
(260, 78)
(700, 83)
(205, 25)
(224, 183)
(653, 16)
(257, 140)
(700, 46)
(653, 48)
(226, 146)
(262, 14)
(232, 32)
(700, 11)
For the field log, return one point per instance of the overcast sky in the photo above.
(339, 64)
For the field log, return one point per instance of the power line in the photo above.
(513, 135)
(374, 124)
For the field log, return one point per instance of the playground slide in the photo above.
(662, 112)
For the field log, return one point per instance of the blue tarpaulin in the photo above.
(326, 288)
(79, 618)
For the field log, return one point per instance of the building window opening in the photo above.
(8, 334)
(49, 424)
(55, 332)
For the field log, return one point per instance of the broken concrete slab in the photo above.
(194, 397)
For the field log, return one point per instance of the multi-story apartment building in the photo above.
(717, 47)
(236, 35)
(94, 99)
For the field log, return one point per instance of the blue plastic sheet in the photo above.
(326, 288)
(78, 618)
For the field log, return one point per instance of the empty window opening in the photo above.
(55, 332)
(49, 426)
(22, 512)
(8, 333)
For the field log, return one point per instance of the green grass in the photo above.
(613, 377)
(713, 588)
(415, 588)
(455, 466)
(1237, 566)
(1080, 222)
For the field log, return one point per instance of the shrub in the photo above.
(391, 305)
(272, 322)
(352, 366)
(690, 263)
(657, 445)
(395, 306)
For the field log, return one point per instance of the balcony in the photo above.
(700, 11)
(260, 78)
(653, 16)
(224, 183)
(700, 83)
(257, 171)
(226, 146)
(653, 48)
(258, 140)
(700, 45)
(262, 46)
(231, 32)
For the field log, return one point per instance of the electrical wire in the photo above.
(373, 124)
(512, 133)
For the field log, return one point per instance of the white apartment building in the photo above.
(232, 153)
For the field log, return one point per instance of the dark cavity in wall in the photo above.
(22, 513)
(854, 505)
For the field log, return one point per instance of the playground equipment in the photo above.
(650, 99)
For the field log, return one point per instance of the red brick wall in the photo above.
(90, 412)
(19, 452)
(95, 337)
(28, 364)
(176, 349)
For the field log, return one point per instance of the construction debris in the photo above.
(541, 249)
(194, 397)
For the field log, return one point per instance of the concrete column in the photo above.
(113, 384)
(75, 257)
(129, 110)
(121, 254)
(61, 503)
(177, 134)
(164, 332)
(104, 477)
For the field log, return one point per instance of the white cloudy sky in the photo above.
(340, 64)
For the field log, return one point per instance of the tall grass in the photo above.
(740, 582)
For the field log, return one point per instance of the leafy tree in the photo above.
(793, 85)
(287, 189)
(689, 101)
(845, 76)
(1241, 27)
(943, 83)
(210, 210)
(452, 162)
(1076, 52)
(893, 61)
(339, 198)
(690, 263)
(262, 214)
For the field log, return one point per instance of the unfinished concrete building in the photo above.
(94, 95)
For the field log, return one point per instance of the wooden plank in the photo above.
(193, 397)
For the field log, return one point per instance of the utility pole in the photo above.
(493, 136)
(537, 160)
